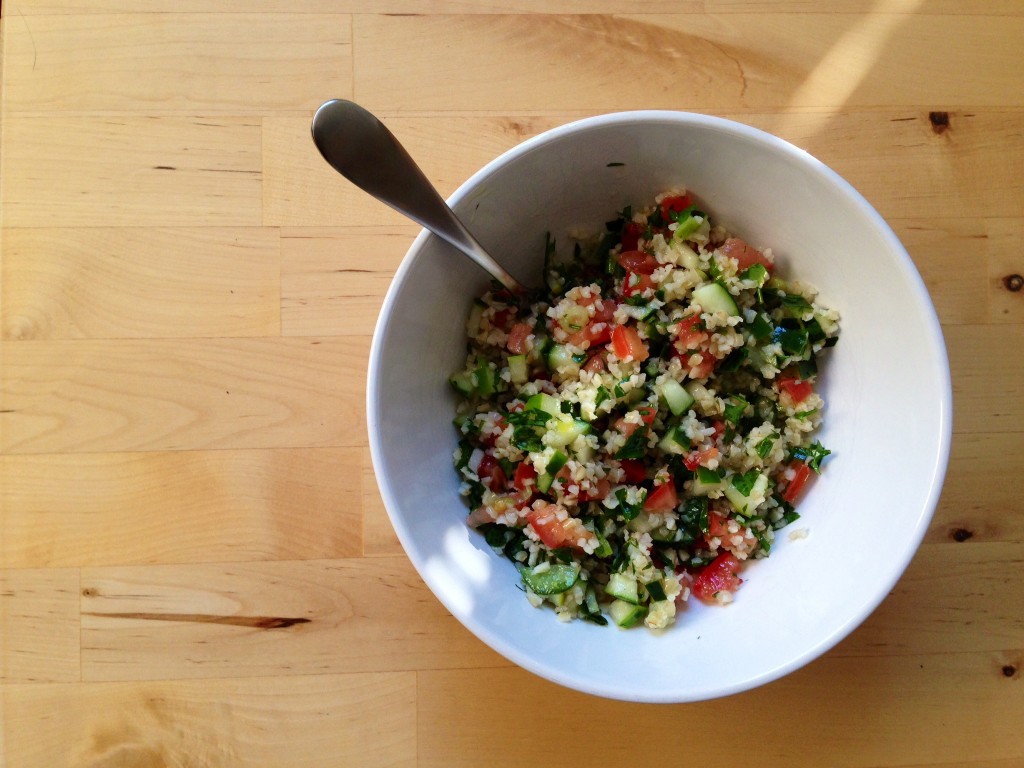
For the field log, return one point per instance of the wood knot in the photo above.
(961, 534)
(939, 121)
(1013, 283)
(90, 592)
(1009, 670)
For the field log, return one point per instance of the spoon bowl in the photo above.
(359, 147)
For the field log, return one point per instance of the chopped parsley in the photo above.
(812, 455)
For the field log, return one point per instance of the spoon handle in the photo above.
(366, 153)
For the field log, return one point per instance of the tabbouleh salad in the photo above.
(634, 431)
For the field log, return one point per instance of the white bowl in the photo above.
(886, 387)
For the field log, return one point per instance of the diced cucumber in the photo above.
(558, 578)
(544, 402)
(559, 356)
(591, 601)
(705, 481)
(566, 431)
(485, 380)
(746, 505)
(675, 441)
(473, 322)
(462, 382)
(604, 549)
(687, 256)
(544, 482)
(556, 462)
(623, 587)
(713, 297)
(625, 614)
(677, 398)
(517, 369)
(687, 227)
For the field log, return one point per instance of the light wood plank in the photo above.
(130, 171)
(839, 712)
(947, 593)
(87, 282)
(179, 507)
(379, 537)
(333, 281)
(979, 500)
(986, 363)
(163, 394)
(1006, 270)
(39, 628)
(321, 720)
(439, 7)
(732, 61)
(973, 169)
(269, 619)
(250, 63)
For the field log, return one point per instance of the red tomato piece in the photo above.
(690, 334)
(696, 459)
(721, 575)
(803, 472)
(525, 477)
(719, 426)
(491, 474)
(634, 470)
(717, 525)
(555, 533)
(595, 364)
(798, 389)
(638, 262)
(662, 499)
(517, 338)
(602, 489)
(745, 255)
(631, 235)
(636, 282)
(676, 203)
(626, 342)
(593, 333)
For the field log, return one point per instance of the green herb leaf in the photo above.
(635, 446)
(764, 447)
(760, 327)
(734, 408)
(708, 476)
(745, 483)
(756, 273)
(812, 455)
(796, 304)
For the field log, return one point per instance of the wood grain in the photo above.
(128, 170)
(171, 394)
(366, 720)
(85, 283)
(521, 62)
(179, 507)
(268, 619)
(237, 62)
(196, 566)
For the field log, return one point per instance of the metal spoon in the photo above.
(366, 153)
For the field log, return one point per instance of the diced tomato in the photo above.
(662, 499)
(690, 333)
(803, 472)
(501, 318)
(595, 364)
(593, 333)
(555, 533)
(719, 426)
(717, 525)
(631, 235)
(638, 262)
(517, 338)
(721, 575)
(491, 474)
(600, 491)
(525, 477)
(626, 342)
(634, 470)
(636, 282)
(648, 414)
(704, 366)
(696, 459)
(676, 203)
(798, 389)
(745, 255)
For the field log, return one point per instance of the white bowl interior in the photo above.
(886, 387)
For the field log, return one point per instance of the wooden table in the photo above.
(197, 568)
